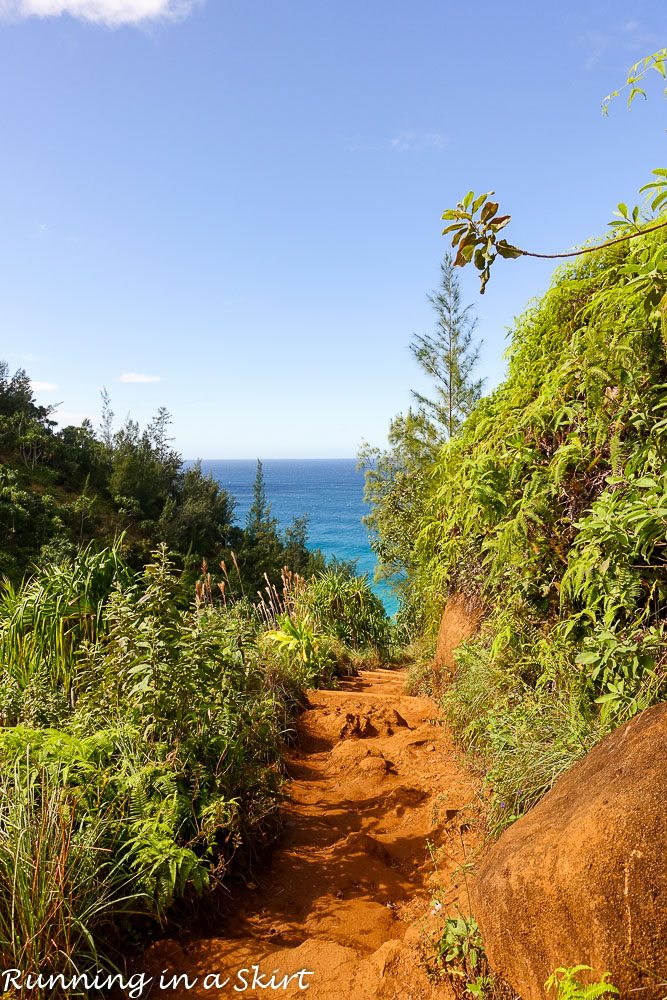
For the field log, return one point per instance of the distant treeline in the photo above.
(63, 488)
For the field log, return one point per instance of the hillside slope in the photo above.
(551, 507)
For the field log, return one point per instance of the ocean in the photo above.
(328, 491)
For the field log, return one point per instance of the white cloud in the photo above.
(109, 12)
(37, 386)
(403, 142)
(136, 377)
(417, 140)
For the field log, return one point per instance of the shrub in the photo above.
(344, 606)
(163, 762)
(308, 656)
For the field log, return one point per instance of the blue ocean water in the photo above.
(328, 491)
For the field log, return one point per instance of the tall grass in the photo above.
(59, 884)
(523, 734)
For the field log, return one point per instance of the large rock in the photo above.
(582, 878)
(460, 619)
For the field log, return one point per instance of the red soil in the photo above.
(348, 895)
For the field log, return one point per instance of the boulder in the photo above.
(459, 621)
(582, 877)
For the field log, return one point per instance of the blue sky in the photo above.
(233, 208)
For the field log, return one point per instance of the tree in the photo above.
(475, 222)
(82, 457)
(144, 468)
(198, 516)
(394, 491)
(296, 554)
(26, 430)
(130, 479)
(106, 421)
(259, 518)
(449, 357)
(261, 551)
(17, 398)
(397, 477)
(266, 550)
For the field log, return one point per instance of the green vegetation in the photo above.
(140, 754)
(145, 699)
(568, 986)
(59, 887)
(547, 508)
(397, 479)
(153, 654)
(543, 506)
(61, 489)
(460, 948)
(460, 956)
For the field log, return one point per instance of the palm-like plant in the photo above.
(296, 638)
(344, 606)
(44, 623)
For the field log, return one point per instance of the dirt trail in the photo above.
(375, 780)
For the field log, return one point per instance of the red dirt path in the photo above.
(348, 894)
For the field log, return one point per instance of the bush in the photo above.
(344, 606)
(158, 767)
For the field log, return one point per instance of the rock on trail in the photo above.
(374, 781)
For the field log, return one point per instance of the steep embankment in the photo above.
(550, 508)
(376, 795)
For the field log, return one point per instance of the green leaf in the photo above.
(508, 251)
(587, 657)
(635, 92)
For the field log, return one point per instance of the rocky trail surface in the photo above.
(378, 819)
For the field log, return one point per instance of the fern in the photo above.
(568, 986)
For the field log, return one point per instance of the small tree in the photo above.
(259, 518)
(106, 421)
(396, 477)
(261, 550)
(449, 357)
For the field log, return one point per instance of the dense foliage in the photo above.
(550, 508)
(142, 731)
(60, 489)
(141, 742)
